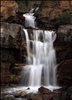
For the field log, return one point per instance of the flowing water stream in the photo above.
(41, 62)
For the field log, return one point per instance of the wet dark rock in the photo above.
(17, 19)
(20, 94)
(44, 90)
(7, 77)
(65, 33)
(63, 51)
(16, 68)
(28, 88)
(7, 55)
(11, 41)
(67, 94)
(5, 74)
(64, 73)
(32, 96)
(39, 96)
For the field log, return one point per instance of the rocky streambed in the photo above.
(43, 93)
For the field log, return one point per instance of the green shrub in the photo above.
(65, 18)
(25, 5)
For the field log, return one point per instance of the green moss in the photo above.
(65, 18)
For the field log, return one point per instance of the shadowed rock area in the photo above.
(65, 73)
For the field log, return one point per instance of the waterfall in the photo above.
(41, 57)
(30, 20)
(31, 10)
(41, 62)
(40, 69)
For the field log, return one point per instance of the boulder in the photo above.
(44, 90)
(65, 33)
(38, 96)
(63, 94)
(8, 8)
(20, 94)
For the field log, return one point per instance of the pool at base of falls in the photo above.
(28, 89)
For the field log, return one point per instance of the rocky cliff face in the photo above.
(65, 73)
(12, 45)
(8, 8)
(50, 10)
(65, 33)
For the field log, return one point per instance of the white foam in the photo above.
(28, 89)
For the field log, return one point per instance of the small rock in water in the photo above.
(44, 90)
(28, 88)
(21, 94)
(16, 95)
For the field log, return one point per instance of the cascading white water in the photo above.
(33, 9)
(30, 20)
(41, 62)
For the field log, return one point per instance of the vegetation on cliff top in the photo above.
(65, 18)
(25, 5)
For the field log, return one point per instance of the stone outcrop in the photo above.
(65, 73)
(50, 10)
(11, 49)
(63, 55)
(55, 8)
(8, 8)
(11, 35)
(63, 51)
(43, 90)
(21, 94)
(8, 76)
(65, 33)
